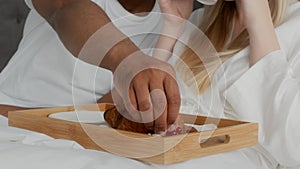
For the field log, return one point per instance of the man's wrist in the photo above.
(116, 54)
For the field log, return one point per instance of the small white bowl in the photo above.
(81, 116)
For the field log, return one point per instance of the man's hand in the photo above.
(106, 99)
(146, 91)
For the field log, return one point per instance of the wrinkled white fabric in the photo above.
(29, 150)
(267, 93)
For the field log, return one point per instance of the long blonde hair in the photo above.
(218, 24)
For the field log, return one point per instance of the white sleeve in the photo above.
(29, 4)
(269, 94)
(196, 16)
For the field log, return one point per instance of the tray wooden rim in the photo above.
(242, 134)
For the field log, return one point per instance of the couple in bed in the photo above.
(256, 77)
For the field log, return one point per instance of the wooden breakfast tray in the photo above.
(228, 136)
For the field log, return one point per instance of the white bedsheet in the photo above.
(29, 150)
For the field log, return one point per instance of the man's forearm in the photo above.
(75, 21)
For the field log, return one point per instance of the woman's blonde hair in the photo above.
(217, 25)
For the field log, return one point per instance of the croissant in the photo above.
(117, 121)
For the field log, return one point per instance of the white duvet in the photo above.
(29, 150)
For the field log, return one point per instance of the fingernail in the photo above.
(172, 127)
(179, 130)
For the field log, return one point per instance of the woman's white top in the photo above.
(267, 93)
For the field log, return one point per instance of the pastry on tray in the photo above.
(117, 121)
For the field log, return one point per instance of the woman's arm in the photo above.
(257, 19)
(175, 14)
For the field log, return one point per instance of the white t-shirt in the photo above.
(41, 73)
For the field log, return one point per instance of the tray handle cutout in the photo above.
(214, 141)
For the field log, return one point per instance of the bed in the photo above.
(29, 150)
(25, 149)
